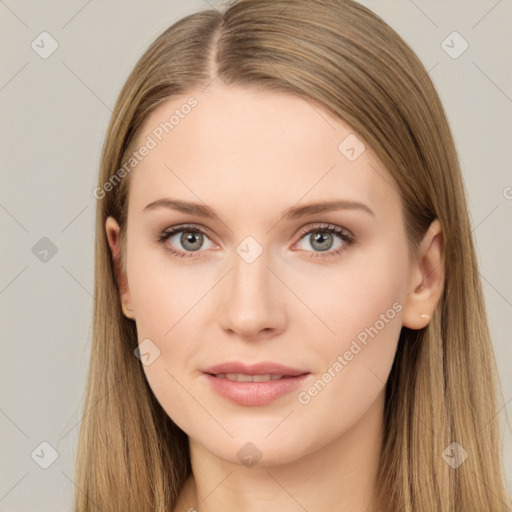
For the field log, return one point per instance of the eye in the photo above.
(322, 239)
(186, 240)
(190, 238)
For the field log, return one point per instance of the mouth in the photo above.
(254, 385)
(241, 377)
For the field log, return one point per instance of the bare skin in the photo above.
(251, 154)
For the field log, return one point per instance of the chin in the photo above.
(254, 443)
(264, 453)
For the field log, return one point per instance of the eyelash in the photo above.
(346, 236)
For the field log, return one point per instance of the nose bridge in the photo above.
(250, 274)
(251, 300)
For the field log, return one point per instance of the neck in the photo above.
(339, 476)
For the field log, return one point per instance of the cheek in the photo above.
(163, 291)
(350, 296)
(167, 302)
(168, 309)
(361, 303)
(367, 320)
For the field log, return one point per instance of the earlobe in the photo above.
(112, 230)
(427, 279)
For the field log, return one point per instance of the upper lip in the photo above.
(263, 368)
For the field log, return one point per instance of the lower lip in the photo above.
(255, 393)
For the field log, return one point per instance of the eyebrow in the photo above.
(289, 214)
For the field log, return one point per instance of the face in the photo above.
(311, 299)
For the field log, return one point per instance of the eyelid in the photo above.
(303, 231)
(325, 226)
(341, 232)
(171, 231)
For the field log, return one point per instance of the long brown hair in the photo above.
(443, 386)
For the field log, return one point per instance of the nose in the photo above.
(253, 300)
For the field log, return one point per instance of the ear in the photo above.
(112, 229)
(427, 279)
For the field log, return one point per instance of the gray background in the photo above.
(54, 117)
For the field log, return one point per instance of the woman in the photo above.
(288, 310)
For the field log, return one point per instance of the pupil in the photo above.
(189, 238)
(319, 237)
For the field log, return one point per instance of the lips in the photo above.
(241, 377)
(254, 369)
(255, 384)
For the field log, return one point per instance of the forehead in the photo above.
(241, 149)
